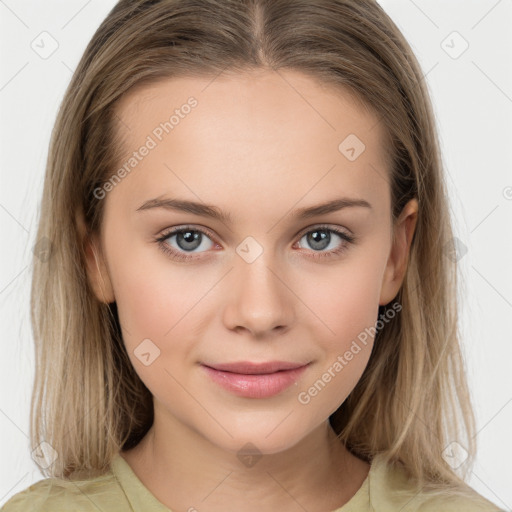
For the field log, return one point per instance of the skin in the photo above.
(257, 149)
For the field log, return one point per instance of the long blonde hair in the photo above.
(88, 402)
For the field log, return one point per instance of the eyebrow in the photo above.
(206, 210)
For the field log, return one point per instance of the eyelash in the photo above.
(348, 239)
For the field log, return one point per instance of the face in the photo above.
(270, 280)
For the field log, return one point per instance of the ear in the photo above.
(97, 272)
(399, 255)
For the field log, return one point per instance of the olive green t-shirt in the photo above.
(385, 489)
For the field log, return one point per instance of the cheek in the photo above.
(155, 299)
(358, 303)
(158, 307)
(344, 300)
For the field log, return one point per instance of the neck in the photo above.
(183, 469)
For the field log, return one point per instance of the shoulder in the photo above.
(391, 490)
(449, 503)
(452, 503)
(57, 495)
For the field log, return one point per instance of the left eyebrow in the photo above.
(331, 206)
(207, 210)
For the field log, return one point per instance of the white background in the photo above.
(472, 97)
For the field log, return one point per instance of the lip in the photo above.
(251, 368)
(256, 380)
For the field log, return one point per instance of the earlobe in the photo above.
(399, 255)
(96, 269)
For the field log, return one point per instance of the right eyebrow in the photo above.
(202, 209)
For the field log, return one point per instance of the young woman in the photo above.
(249, 303)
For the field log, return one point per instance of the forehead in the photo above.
(248, 131)
(287, 95)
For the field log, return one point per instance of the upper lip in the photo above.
(251, 368)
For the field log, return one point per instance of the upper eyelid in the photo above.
(173, 231)
(327, 227)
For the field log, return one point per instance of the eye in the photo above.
(190, 240)
(187, 240)
(322, 237)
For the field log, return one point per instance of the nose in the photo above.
(260, 300)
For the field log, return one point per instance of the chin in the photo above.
(265, 441)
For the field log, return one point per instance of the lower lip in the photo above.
(255, 386)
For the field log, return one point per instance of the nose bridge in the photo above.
(260, 301)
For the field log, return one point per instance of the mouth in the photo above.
(253, 368)
(255, 380)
